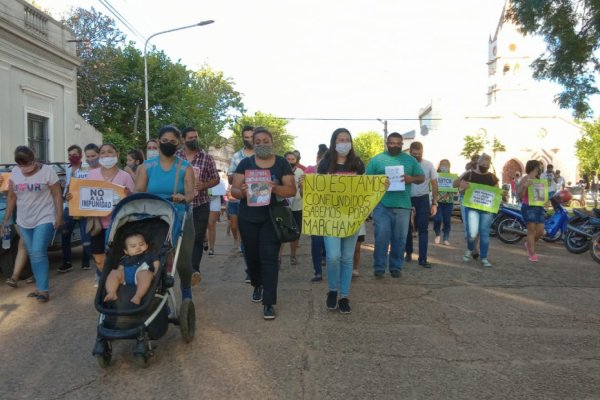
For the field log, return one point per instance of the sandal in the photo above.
(33, 294)
(31, 279)
(11, 282)
(43, 297)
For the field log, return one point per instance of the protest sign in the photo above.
(483, 197)
(337, 205)
(395, 175)
(445, 181)
(259, 187)
(5, 179)
(538, 192)
(93, 198)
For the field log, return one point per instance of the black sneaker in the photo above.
(396, 274)
(425, 264)
(205, 245)
(257, 294)
(317, 278)
(66, 267)
(378, 274)
(247, 278)
(85, 267)
(344, 304)
(268, 312)
(331, 300)
(408, 257)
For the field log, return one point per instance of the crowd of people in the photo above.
(175, 168)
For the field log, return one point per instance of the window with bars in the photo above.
(37, 136)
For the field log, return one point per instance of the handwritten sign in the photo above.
(538, 192)
(483, 197)
(5, 178)
(337, 205)
(445, 181)
(93, 198)
(394, 174)
(259, 187)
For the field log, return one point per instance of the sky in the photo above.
(350, 59)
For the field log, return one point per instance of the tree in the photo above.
(367, 144)
(588, 147)
(497, 147)
(473, 145)
(571, 30)
(282, 141)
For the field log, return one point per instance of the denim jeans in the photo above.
(67, 231)
(340, 259)
(479, 222)
(200, 215)
(443, 215)
(317, 247)
(37, 241)
(422, 211)
(391, 228)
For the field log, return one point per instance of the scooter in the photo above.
(503, 213)
(580, 230)
(513, 229)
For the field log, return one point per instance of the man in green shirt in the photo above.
(392, 215)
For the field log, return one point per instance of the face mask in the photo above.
(132, 165)
(343, 148)
(168, 149)
(248, 144)
(192, 144)
(444, 169)
(483, 170)
(293, 165)
(393, 150)
(108, 162)
(263, 150)
(74, 159)
(94, 162)
(151, 154)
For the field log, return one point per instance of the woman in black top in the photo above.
(261, 246)
(340, 159)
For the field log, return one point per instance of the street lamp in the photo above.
(385, 129)
(202, 23)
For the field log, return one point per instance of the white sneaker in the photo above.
(467, 257)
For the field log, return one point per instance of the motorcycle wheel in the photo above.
(494, 227)
(510, 237)
(576, 243)
(595, 248)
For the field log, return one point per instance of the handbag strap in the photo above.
(177, 176)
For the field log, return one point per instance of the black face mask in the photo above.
(394, 151)
(293, 165)
(192, 144)
(248, 144)
(168, 149)
(483, 170)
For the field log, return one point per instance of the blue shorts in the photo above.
(233, 208)
(533, 214)
(131, 272)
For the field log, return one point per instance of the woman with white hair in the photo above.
(478, 222)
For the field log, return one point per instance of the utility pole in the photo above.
(385, 129)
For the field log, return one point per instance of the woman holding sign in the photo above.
(340, 159)
(479, 211)
(271, 174)
(34, 188)
(445, 202)
(534, 215)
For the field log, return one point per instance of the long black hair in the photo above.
(353, 163)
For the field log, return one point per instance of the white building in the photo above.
(38, 85)
(519, 113)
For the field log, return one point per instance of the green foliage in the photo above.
(277, 126)
(588, 147)
(110, 86)
(571, 30)
(123, 143)
(367, 144)
(473, 145)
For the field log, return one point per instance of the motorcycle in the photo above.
(513, 228)
(595, 247)
(580, 231)
(503, 213)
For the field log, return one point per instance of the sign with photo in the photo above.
(538, 192)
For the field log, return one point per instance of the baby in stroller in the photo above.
(137, 267)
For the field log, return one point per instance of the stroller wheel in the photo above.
(187, 320)
(104, 360)
(141, 360)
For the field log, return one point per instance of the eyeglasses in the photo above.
(165, 141)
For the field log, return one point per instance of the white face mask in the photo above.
(108, 162)
(151, 154)
(343, 148)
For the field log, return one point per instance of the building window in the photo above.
(36, 21)
(37, 136)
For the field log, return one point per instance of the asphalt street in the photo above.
(456, 331)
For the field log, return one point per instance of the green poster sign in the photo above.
(445, 182)
(538, 192)
(483, 197)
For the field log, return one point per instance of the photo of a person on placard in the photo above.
(539, 192)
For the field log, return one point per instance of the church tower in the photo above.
(509, 57)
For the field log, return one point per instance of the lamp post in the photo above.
(201, 23)
(385, 129)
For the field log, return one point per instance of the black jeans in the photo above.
(261, 250)
(184, 262)
(200, 223)
(422, 210)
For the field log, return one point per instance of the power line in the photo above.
(121, 18)
(358, 119)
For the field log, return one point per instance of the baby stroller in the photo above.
(158, 220)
